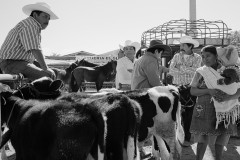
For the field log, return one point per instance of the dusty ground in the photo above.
(232, 153)
(189, 153)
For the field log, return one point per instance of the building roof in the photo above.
(113, 53)
(80, 53)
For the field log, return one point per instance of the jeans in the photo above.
(29, 70)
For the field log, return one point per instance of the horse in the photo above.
(97, 74)
(65, 75)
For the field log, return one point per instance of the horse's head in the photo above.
(113, 64)
(186, 98)
(71, 67)
(81, 62)
(42, 88)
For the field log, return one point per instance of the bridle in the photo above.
(187, 103)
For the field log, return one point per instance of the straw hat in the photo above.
(130, 43)
(188, 39)
(40, 6)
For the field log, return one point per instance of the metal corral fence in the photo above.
(205, 32)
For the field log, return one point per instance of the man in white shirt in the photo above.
(125, 65)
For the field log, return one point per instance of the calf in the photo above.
(123, 120)
(42, 88)
(53, 129)
(161, 117)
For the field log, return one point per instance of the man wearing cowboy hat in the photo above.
(182, 67)
(22, 45)
(147, 70)
(125, 65)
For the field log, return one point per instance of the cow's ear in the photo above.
(56, 85)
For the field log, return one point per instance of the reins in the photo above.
(10, 115)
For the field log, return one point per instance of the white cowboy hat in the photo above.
(188, 39)
(40, 6)
(130, 43)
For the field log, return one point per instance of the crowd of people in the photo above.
(135, 70)
(189, 68)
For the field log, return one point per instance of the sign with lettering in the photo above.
(96, 59)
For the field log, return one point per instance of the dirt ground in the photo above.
(189, 153)
(232, 152)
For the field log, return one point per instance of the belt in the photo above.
(124, 86)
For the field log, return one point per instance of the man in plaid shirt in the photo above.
(182, 67)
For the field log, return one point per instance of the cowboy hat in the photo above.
(40, 6)
(188, 39)
(130, 43)
(159, 44)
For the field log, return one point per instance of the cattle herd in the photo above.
(45, 123)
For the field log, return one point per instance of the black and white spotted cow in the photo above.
(161, 118)
(54, 129)
(123, 119)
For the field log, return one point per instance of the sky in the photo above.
(99, 26)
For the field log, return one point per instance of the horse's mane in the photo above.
(107, 65)
(86, 63)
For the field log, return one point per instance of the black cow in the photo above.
(53, 129)
(123, 120)
(42, 88)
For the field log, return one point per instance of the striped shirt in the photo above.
(24, 37)
(183, 69)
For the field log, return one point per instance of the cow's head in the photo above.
(42, 88)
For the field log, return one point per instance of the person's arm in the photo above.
(195, 91)
(40, 58)
(164, 69)
(174, 69)
(192, 69)
(153, 75)
(221, 96)
(199, 92)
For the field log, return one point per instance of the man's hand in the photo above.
(51, 73)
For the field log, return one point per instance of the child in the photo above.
(229, 59)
